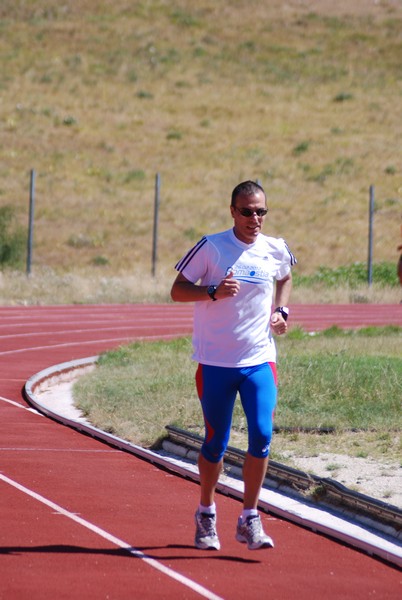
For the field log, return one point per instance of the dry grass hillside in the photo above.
(98, 96)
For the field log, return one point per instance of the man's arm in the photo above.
(282, 296)
(184, 290)
(282, 291)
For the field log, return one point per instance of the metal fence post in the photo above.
(156, 220)
(31, 220)
(370, 240)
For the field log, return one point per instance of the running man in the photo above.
(233, 277)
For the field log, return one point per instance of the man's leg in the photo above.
(254, 471)
(209, 475)
(258, 395)
(249, 526)
(217, 405)
(206, 537)
(217, 388)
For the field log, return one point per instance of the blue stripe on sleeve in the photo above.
(182, 264)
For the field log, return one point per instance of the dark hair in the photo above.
(246, 188)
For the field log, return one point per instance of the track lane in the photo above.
(137, 502)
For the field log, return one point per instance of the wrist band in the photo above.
(283, 310)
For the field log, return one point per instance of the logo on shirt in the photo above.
(249, 273)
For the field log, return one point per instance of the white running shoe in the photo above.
(252, 533)
(206, 537)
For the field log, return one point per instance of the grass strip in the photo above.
(341, 380)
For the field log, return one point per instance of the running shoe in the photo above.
(206, 537)
(252, 533)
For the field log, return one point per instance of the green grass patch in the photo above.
(339, 390)
(138, 389)
(348, 381)
(353, 275)
(13, 239)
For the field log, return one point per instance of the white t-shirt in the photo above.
(234, 331)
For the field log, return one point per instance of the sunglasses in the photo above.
(247, 212)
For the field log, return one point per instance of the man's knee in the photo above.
(259, 445)
(213, 452)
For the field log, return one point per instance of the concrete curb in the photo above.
(314, 518)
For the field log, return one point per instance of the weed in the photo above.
(12, 238)
(144, 95)
(333, 467)
(390, 170)
(69, 121)
(317, 492)
(100, 261)
(134, 175)
(343, 96)
(174, 134)
(362, 454)
(301, 148)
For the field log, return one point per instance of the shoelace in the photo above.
(207, 524)
(254, 526)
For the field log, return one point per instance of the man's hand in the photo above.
(228, 287)
(278, 324)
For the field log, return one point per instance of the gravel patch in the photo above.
(380, 480)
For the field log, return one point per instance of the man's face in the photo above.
(247, 228)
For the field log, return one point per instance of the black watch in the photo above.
(211, 292)
(283, 310)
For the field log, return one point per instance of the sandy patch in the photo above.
(382, 481)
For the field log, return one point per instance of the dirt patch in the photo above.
(382, 481)
(344, 7)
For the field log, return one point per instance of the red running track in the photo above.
(80, 519)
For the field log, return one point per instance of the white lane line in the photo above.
(126, 327)
(18, 405)
(126, 339)
(139, 319)
(114, 540)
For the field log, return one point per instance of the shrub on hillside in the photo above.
(12, 238)
(353, 275)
